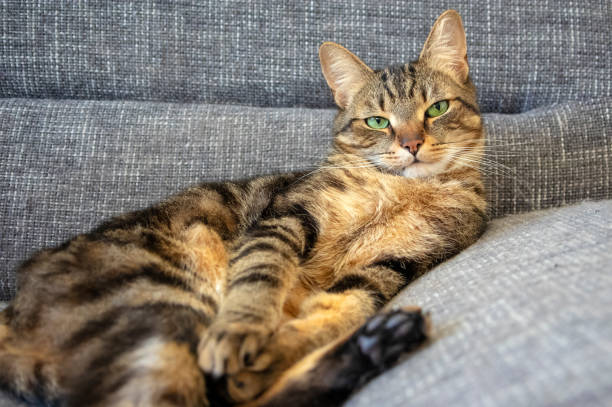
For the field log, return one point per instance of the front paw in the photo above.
(272, 360)
(229, 347)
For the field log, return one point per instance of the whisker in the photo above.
(486, 161)
(483, 148)
(352, 163)
(487, 144)
(485, 153)
(493, 169)
(490, 177)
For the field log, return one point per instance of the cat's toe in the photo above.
(229, 347)
(386, 336)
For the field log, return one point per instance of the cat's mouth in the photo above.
(412, 161)
(417, 163)
(407, 165)
(398, 165)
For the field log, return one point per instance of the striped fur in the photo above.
(253, 291)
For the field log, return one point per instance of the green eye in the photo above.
(437, 109)
(377, 122)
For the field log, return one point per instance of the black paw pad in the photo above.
(386, 336)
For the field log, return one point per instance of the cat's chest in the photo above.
(365, 223)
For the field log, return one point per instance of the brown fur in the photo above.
(264, 283)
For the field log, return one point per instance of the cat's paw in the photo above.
(273, 359)
(386, 336)
(229, 347)
(247, 385)
(249, 382)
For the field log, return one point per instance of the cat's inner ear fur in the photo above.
(344, 72)
(446, 47)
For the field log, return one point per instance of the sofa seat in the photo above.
(521, 318)
(107, 107)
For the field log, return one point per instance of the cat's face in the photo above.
(414, 120)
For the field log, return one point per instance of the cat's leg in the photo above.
(97, 320)
(324, 317)
(157, 372)
(140, 362)
(327, 376)
(263, 268)
(136, 356)
(26, 371)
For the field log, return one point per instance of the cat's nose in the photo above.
(412, 145)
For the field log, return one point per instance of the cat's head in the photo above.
(415, 120)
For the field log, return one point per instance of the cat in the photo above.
(265, 292)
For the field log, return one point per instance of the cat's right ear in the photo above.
(344, 72)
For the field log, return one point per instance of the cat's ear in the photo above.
(344, 72)
(446, 48)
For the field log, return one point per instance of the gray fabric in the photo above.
(521, 318)
(68, 165)
(523, 54)
(547, 157)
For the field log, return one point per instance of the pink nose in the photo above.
(412, 145)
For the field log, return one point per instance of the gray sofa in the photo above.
(110, 106)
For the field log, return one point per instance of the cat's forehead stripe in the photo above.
(400, 90)
(399, 80)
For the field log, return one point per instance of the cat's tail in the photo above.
(26, 373)
(328, 376)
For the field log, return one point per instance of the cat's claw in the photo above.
(229, 347)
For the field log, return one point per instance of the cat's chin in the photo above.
(420, 169)
(415, 169)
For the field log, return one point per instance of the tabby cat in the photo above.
(264, 292)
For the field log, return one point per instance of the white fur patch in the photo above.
(147, 355)
(423, 170)
(219, 287)
(145, 358)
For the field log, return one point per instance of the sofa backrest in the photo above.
(264, 52)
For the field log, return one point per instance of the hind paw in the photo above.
(388, 335)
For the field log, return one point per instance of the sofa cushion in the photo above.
(523, 54)
(521, 318)
(67, 165)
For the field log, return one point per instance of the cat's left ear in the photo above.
(446, 47)
(344, 72)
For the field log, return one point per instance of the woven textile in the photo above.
(107, 107)
(523, 53)
(521, 318)
(70, 164)
(549, 157)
